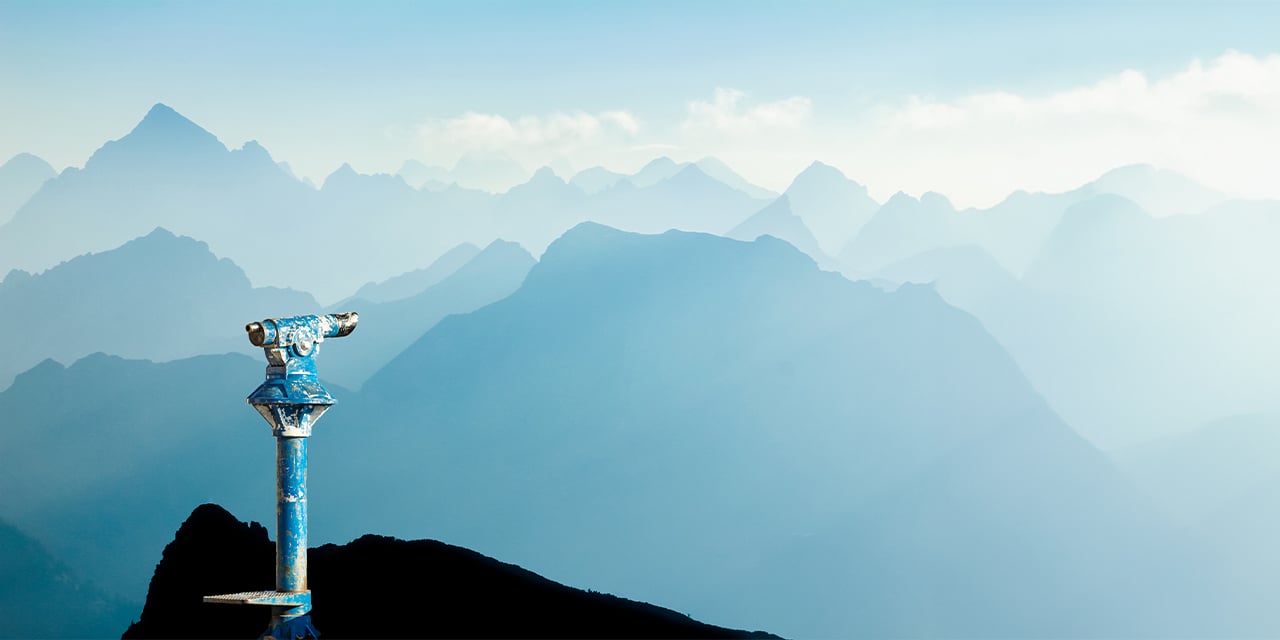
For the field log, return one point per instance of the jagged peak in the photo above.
(163, 119)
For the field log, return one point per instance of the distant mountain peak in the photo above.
(255, 147)
(160, 233)
(658, 162)
(28, 162)
(163, 120)
(341, 175)
(1159, 191)
(936, 200)
(822, 176)
(901, 198)
(163, 140)
(545, 174)
(1140, 169)
(818, 167)
(691, 170)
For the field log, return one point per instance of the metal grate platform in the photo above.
(273, 598)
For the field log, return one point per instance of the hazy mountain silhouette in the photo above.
(717, 169)
(596, 179)
(657, 170)
(169, 172)
(388, 328)
(409, 284)
(741, 403)
(832, 206)
(992, 540)
(491, 171)
(902, 228)
(420, 176)
(965, 276)
(101, 460)
(538, 211)
(1197, 473)
(778, 221)
(20, 177)
(1221, 478)
(166, 172)
(42, 598)
(1152, 326)
(1159, 191)
(710, 424)
(688, 200)
(1013, 230)
(353, 585)
(158, 297)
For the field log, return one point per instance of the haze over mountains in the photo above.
(807, 412)
(20, 178)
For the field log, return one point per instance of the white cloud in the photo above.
(1218, 122)
(1198, 92)
(568, 139)
(493, 131)
(725, 114)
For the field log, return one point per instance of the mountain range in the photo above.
(845, 419)
(158, 297)
(682, 401)
(355, 229)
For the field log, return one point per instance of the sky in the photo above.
(970, 99)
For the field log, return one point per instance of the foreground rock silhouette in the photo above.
(380, 587)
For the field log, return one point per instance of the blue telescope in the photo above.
(291, 399)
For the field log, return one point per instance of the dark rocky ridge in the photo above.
(380, 587)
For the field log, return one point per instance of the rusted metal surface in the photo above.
(291, 399)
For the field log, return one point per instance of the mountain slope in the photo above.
(407, 285)
(388, 328)
(158, 297)
(20, 177)
(902, 228)
(690, 401)
(778, 221)
(102, 459)
(41, 598)
(831, 205)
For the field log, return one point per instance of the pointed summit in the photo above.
(163, 121)
(718, 170)
(831, 205)
(819, 173)
(163, 140)
(546, 174)
(777, 220)
(656, 171)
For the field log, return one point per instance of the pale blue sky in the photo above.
(377, 83)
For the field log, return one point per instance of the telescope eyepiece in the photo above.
(257, 333)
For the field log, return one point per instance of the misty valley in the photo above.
(680, 404)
